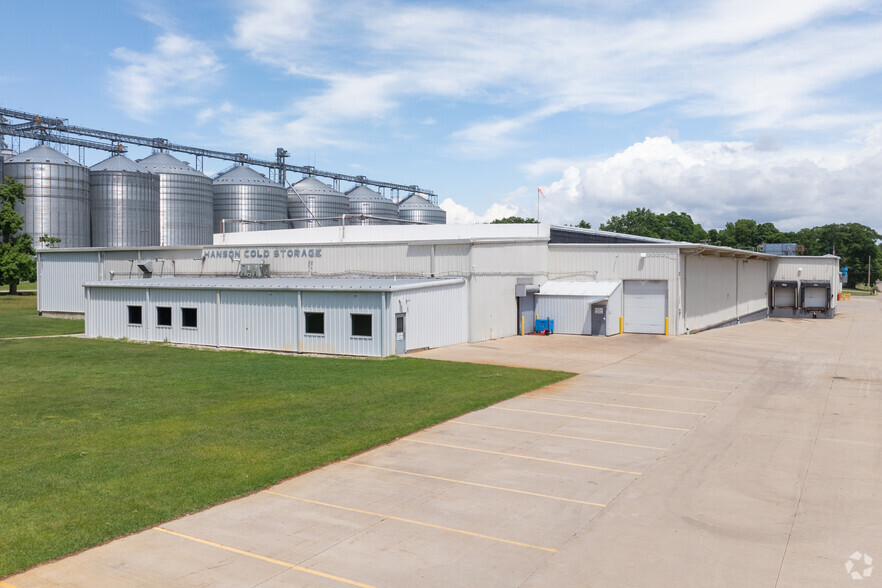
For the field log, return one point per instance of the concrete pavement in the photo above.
(745, 456)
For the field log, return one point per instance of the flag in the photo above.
(541, 192)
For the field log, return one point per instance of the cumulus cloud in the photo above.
(717, 182)
(171, 74)
(457, 214)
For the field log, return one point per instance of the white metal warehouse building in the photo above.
(446, 283)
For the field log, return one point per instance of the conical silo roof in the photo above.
(118, 163)
(242, 174)
(312, 185)
(163, 163)
(365, 194)
(42, 154)
(417, 202)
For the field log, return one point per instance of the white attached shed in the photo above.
(368, 316)
(581, 308)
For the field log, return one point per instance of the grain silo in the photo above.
(416, 208)
(245, 195)
(124, 200)
(56, 196)
(315, 204)
(367, 202)
(186, 208)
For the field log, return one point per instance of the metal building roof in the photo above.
(163, 163)
(119, 163)
(594, 289)
(242, 174)
(302, 284)
(43, 154)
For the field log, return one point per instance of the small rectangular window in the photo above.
(188, 318)
(163, 316)
(314, 323)
(362, 325)
(134, 315)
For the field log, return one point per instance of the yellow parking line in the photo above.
(561, 436)
(569, 463)
(614, 405)
(7, 584)
(584, 418)
(674, 397)
(386, 516)
(364, 465)
(266, 559)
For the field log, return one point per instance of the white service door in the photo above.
(645, 306)
(816, 298)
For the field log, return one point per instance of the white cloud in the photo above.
(717, 182)
(758, 65)
(457, 214)
(170, 75)
(212, 112)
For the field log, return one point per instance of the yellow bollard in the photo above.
(523, 332)
(666, 326)
(621, 325)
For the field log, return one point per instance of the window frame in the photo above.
(170, 317)
(140, 310)
(352, 325)
(184, 319)
(306, 331)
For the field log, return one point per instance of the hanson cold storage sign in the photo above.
(262, 253)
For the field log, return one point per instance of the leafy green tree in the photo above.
(509, 220)
(49, 241)
(854, 243)
(16, 252)
(640, 221)
(583, 224)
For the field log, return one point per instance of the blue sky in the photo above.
(724, 110)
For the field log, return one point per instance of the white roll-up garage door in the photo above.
(645, 306)
(785, 297)
(815, 298)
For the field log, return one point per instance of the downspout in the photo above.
(148, 315)
(217, 325)
(297, 321)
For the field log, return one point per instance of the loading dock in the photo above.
(784, 294)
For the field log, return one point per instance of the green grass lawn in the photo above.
(18, 318)
(856, 292)
(102, 438)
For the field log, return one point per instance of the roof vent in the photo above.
(254, 270)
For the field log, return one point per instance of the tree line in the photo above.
(854, 243)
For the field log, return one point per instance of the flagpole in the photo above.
(537, 205)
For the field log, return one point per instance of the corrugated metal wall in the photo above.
(809, 269)
(618, 262)
(712, 284)
(108, 314)
(258, 320)
(61, 278)
(571, 314)
(205, 303)
(338, 308)
(614, 311)
(435, 316)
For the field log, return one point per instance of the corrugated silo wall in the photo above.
(722, 290)
(575, 262)
(435, 316)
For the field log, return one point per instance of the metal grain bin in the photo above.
(186, 202)
(244, 194)
(418, 209)
(124, 200)
(364, 201)
(315, 204)
(56, 196)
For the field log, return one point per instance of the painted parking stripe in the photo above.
(364, 465)
(614, 405)
(561, 436)
(584, 418)
(7, 584)
(412, 522)
(667, 385)
(672, 397)
(266, 559)
(569, 463)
